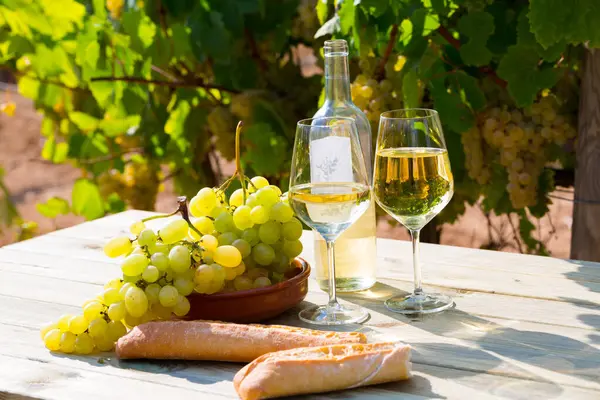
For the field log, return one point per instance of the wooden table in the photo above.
(524, 327)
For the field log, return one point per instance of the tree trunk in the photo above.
(431, 232)
(585, 240)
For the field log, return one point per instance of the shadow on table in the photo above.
(541, 349)
(587, 275)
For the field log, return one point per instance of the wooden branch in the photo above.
(380, 70)
(515, 233)
(254, 51)
(487, 70)
(42, 80)
(110, 157)
(176, 84)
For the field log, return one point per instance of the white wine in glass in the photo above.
(413, 182)
(329, 191)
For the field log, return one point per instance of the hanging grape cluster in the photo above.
(138, 185)
(519, 139)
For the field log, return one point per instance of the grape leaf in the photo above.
(140, 28)
(322, 8)
(86, 199)
(208, 36)
(526, 38)
(179, 8)
(262, 140)
(119, 126)
(478, 27)
(84, 121)
(174, 125)
(453, 112)
(375, 7)
(346, 14)
(554, 21)
(519, 67)
(53, 207)
(473, 93)
(410, 89)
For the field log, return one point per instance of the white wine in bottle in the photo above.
(355, 249)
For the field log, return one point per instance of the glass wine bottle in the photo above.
(355, 256)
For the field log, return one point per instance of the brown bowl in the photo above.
(253, 305)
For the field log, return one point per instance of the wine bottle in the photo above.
(355, 249)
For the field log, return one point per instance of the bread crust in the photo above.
(322, 369)
(221, 341)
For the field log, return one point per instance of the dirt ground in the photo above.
(31, 180)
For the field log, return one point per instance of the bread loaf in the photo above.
(322, 369)
(220, 341)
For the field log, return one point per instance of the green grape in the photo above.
(84, 344)
(277, 246)
(146, 237)
(137, 227)
(78, 324)
(259, 182)
(292, 230)
(251, 200)
(204, 224)
(132, 279)
(182, 307)
(257, 272)
(159, 248)
(267, 196)
(115, 330)
(116, 311)
(281, 263)
(117, 247)
(184, 285)
(243, 246)
(161, 312)
(251, 236)
(160, 261)
(124, 290)
(138, 250)
(269, 232)
(131, 321)
(224, 222)
(168, 296)
(150, 274)
(263, 254)
(240, 269)
(242, 283)
(114, 283)
(227, 256)
(152, 291)
(134, 264)
(281, 212)
(204, 273)
(203, 202)
(241, 217)
(174, 231)
(180, 259)
(112, 296)
(67, 342)
(226, 238)
(169, 275)
(93, 309)
(209, 242)
(230, 274)
(97, 327)
(276, 190)
(208, 257)
(292, 248)
(136, 302)
(52, 339)
(104, 344)
(237, 198)
(249, 262)
(259, 214)
(63, 322)
(47, 328)
(217, 211)
(262, 281)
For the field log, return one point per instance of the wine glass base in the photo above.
(422, 303)
(334, 315)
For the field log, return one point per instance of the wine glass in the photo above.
(329, 190)
(413, 183)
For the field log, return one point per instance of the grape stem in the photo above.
(239, 171)
(183, 209)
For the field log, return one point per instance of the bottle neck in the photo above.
(337, 78)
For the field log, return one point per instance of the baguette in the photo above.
(322, 369)
(221, 341)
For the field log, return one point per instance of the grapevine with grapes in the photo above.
(219, 244)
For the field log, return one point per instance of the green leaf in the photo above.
(525, 230)
(119, 126)
(114, 204)
(84, 121)
(99, 9)
(520, 68)
(140, 28)
(175, 124)
(375, 7)
(453, 112)
(29, 87)
(55, 152)
(208, 36)
(179, 8)
(478, 27)
(473, 93)
(575, 22)
(346, 14)
(410, 89)
(262, 141)
(86, 200)
(322, 8)
(54, 207)
(526, 38)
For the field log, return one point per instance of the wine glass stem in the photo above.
(331, 264)
(414, 234)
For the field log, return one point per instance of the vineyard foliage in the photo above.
(135, 92)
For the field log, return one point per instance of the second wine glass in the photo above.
(329, 191)
(413, 182)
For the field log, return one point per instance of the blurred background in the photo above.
(116, 104)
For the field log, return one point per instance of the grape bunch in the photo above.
(243, 243)
(520, 141)
(138, 185)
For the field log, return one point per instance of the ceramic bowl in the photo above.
(253, 305)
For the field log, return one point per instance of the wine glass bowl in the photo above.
(413, 182)
(329, 191)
